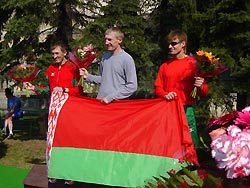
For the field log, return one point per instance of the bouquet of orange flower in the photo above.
(207, 66)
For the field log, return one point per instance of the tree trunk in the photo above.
(65, 29)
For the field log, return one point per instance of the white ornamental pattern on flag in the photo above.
(57, 101)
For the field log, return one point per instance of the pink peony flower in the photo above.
(247, 109)
(243, 120)
(232, 151)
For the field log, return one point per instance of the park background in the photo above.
(29, 27)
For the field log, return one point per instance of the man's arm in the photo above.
(89, 77)
(159, 84)
(11, 111)
(94, 79)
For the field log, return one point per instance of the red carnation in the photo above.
(183, 185)
(202, 174)
(243, 119)
(225, 120)
(160, 185)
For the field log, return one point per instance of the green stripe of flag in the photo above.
(108, 167)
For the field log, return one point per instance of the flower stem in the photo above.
(27, 93)
(81, 81)
(194, 92)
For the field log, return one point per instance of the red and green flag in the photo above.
(124, 143)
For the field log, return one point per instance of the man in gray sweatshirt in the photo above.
(117, 78)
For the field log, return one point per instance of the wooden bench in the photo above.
(34, 117)
(26, 121)
(31, 118)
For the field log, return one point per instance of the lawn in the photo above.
(17, 157)
(12, 177)
(22, 152)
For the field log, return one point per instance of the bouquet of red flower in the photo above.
(82, 57)
(23, 73)
(207, 66)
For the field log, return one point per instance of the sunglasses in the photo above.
(174, 43)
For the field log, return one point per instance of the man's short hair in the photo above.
(118, 32)
(59, 44)
(177, 33)
(8, 91)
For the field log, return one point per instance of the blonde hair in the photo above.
(59, 44)
(177, 34)
(117, 31)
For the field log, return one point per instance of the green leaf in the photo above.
(193, 176)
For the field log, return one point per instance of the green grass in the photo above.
(12, 177)
(17, 157)
(22, 152)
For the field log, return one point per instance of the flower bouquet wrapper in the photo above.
(217, 70)
(82, 57)
(23, 73)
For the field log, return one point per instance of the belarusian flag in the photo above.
(124, 143)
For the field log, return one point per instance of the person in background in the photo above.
(14, 109)
(117, 79)
(63, 76)
(177, 78)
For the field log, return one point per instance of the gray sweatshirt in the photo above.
(117, 78)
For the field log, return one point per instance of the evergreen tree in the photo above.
(24, 22)
(225, 28)
(221, 27)
(20, 31)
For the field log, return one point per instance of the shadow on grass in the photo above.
(23, 135)
(37, 161)
(3, 146)
(3, 149)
